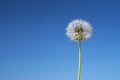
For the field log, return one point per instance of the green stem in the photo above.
(79, 59)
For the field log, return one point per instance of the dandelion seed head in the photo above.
(79, 29)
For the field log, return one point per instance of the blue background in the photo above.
(33, 44)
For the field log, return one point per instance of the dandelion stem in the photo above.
(79, 59)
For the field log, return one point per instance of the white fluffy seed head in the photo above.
(80, 24)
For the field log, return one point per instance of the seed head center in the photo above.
(79, 33)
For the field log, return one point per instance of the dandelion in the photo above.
(79, 30)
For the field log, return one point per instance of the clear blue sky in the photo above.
(33, 44)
